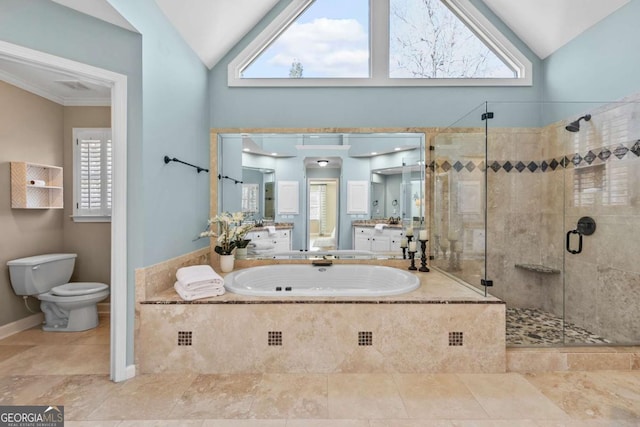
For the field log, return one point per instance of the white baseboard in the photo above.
(21, 325)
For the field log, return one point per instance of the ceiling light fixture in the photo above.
(323, 163)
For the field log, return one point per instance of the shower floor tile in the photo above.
(531, 326)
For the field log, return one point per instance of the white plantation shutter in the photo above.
(92, 172)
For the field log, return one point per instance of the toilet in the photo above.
(67, 307)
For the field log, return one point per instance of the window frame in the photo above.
(78, 214)
(379, 52)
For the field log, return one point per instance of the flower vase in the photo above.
(241, 253)
(226, 263)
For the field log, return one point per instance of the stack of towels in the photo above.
(261, 248)
(198, 281)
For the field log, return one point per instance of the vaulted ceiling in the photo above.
(213, 27)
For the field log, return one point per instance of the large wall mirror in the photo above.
(312, 188)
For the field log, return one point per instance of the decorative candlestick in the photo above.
(412, 257)
(423, 256)
(403, 245)
(409, 232)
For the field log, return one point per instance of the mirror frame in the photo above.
(428, 133)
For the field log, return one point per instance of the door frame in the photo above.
(308, 216)
(119, 371)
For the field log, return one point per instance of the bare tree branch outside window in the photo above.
(427, 40)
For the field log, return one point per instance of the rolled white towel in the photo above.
(380, 227)
(261, 251)
(195, 275)
(189, 295)
(37, 182)
(261, 245)
(271, 230)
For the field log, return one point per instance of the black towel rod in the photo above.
(168, 159)
(235, 181)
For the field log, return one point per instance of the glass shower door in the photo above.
(458, 183)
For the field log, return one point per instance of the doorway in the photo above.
(322, 218)
(119, 370)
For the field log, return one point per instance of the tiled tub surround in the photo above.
(157, 278)
(441, 327)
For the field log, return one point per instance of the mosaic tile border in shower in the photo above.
(630, 151)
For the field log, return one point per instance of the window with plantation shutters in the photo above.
(92, 176)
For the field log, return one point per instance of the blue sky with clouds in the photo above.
(330, 39)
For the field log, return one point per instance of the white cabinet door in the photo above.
(362, 242)
(361, 238)
(283, 241)
(395, 238)
(380, 242)
(358, 197)
(288, 198)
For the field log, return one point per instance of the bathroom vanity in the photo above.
(366, 237)
(281, 239)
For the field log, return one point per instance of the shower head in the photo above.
(575, 126)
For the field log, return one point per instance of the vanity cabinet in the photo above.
(35, 186)
(281, 239)
(370, 239)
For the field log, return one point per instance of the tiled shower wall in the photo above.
(541, 181)
(603, 182)
(525, 221)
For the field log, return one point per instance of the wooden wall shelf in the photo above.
(35, 186)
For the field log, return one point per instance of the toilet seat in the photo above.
(78, 289)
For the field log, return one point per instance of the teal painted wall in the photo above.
(167, 114)
(600, 65)
(48, 27)
(175, 200)
(354, 106)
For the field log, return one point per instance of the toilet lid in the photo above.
(78, 288)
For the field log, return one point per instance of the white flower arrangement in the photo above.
(229, 231)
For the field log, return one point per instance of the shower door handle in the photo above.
(573, 251)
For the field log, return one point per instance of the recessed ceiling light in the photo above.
(274, 154)
(246, 149)
(397, 149)
(323, 163)
(373, 153)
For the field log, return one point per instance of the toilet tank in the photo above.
(38, 274)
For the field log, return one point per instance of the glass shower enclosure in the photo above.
(536, 204)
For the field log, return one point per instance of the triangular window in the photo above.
(380, 43)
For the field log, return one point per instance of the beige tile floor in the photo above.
(72, 370)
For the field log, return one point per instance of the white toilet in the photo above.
(67, 307)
